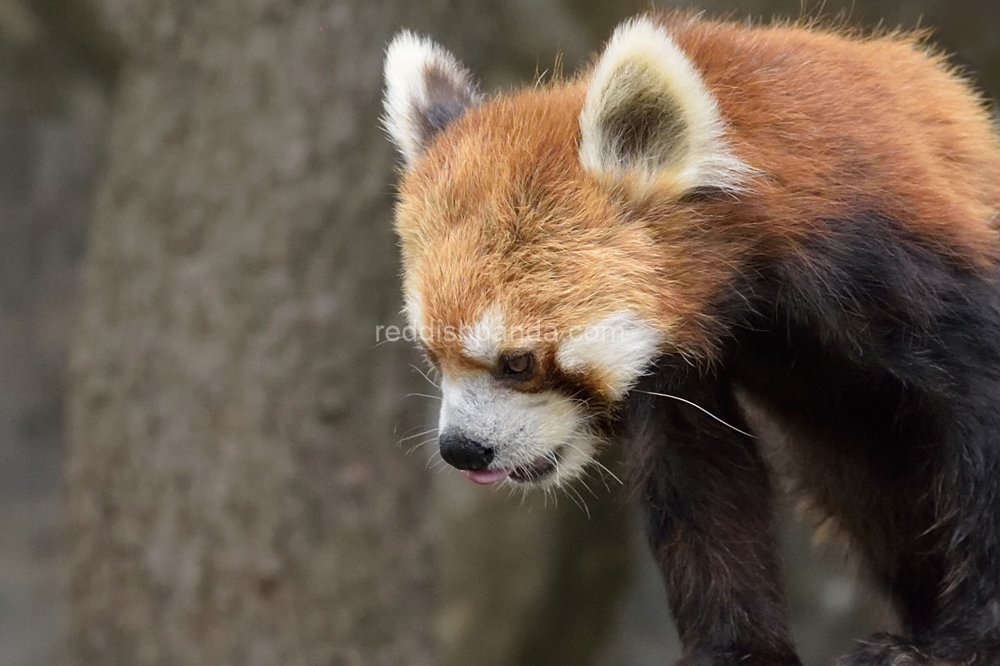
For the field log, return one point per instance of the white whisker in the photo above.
(577, 499)
(425, 376)
(583, 482)
(420, 444)
(423, 395)
(600, 476)
(596, 463)
(419, 434)
(436, 463)
(699, 407)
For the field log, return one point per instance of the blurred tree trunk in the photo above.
(234, 491)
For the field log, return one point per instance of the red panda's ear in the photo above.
(650, 122)
(425, 89)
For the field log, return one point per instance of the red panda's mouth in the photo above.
(538, 470)
(542, 468)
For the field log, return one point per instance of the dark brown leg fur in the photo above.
(904, 499)
(883, 358)
(709, 503)
(883, 650)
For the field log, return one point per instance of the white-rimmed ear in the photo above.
(649, 120)
(425, 89)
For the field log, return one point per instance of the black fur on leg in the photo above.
(888, 650)
(886, 373)
(708, 499)
(879, 358)
(738, 657)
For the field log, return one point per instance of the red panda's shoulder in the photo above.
(839, 121)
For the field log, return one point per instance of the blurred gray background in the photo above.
(200, 455)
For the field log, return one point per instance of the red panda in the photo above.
(713, 221)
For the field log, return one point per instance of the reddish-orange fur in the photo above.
(507, 171)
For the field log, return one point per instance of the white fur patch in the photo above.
(642, 65)
(485, 338)
(521, 428)
(618, 348)
(421, 77)
(413, 309)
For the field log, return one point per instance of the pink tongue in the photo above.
(486, 476)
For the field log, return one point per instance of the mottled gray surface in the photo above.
(52, 115)
(234, 492)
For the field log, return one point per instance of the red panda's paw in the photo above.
(889, 650)
(735, 657)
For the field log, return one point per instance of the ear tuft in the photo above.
(649, 120)
(425, 89)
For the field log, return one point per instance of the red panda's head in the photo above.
(532, 239)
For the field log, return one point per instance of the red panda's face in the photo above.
(523, 295)
(533, 281)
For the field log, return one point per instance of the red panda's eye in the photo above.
(520, 366)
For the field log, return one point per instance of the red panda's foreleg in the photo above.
(707, 493)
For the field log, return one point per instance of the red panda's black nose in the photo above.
(461, 452)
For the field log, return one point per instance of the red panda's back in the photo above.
(838, 124)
